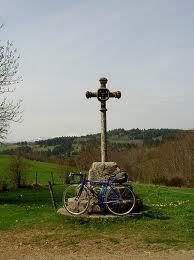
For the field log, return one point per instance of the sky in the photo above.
(144, 48)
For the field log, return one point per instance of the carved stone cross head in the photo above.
(103, 94)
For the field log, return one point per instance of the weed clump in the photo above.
(176, 181)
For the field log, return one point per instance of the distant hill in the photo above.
(119, 135)
(67, 146)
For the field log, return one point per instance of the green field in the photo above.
(42, 169)
(76, 147)
(125, 141)
(4, 147)
(35, 147)
(169, 223)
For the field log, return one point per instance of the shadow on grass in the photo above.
(156, 215)
(145, 214)
(26, 196)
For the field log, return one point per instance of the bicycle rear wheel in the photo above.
(120, 201)
(76, 200)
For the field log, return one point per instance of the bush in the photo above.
(66, 178)
(190, 184)
(176, 181)
(17, 168)
(3, 186)
(160, 180)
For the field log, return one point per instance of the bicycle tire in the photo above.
(120, 201)
(75, 203)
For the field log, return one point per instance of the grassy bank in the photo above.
(42, 169)
(169, 224)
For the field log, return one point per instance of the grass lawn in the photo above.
(169, 224)
(7, 147)
(43, 170)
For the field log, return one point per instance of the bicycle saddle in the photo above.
(120, 177)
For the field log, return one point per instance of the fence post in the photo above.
(36, 178)
(52, 178)
(52, 195)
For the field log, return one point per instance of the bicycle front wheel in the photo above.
(120, 200)
(76, 200)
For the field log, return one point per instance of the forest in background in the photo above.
(68, 146)
(159, 156)
(168, 163)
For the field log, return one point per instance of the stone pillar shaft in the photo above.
(104, 156)
(103, 94)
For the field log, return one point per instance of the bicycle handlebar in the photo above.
(77, 174)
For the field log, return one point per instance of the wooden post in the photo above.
(52, 195)
(52, 178)
(36, 178)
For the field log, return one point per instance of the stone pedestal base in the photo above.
(99, 170)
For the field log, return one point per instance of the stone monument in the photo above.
(100, 169)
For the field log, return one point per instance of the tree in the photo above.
(9, 110)
(17, 169)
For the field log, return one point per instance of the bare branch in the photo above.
(9, 64)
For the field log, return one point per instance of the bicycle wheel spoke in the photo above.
(120, 200)
(74, 203)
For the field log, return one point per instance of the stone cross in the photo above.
(103, 94)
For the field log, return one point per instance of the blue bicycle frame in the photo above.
(101, 197)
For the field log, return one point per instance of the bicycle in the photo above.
(119, 200)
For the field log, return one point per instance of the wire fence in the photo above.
(51, 194)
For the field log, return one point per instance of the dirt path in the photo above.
(32, 245)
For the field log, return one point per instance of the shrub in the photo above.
(190, 184)
(17, 167)
(176, 181)
(160, 180)
(3, 186)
